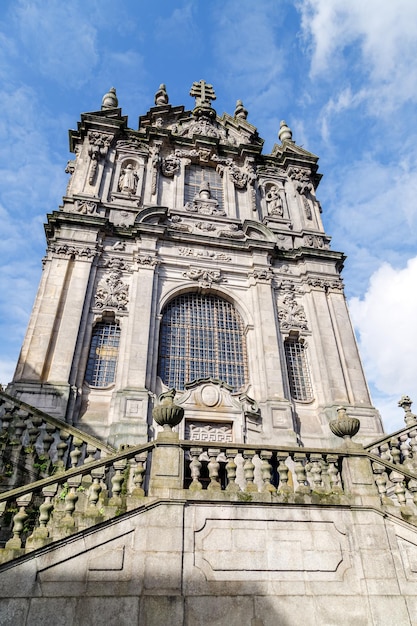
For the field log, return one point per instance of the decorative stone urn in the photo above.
(344, 426)
(166, 413)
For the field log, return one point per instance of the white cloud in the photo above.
(376, 38)
(385, 319)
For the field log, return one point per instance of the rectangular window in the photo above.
(195, 175)
(102, 359)
(298, 373)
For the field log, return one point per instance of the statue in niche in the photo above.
(274, 202)
(128, 180)
(161, 96)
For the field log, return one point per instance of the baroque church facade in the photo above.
(181, 254)
(171, 443)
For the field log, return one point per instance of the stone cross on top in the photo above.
(203, 94)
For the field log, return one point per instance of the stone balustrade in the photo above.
(290, 474)
(72, 500)
(34, 445)
(399, 448)
(57, 481)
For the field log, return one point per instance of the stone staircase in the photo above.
(57, 480)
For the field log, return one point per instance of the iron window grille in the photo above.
(195, 175)
(102, 358)
(298, 371)
(202, 336)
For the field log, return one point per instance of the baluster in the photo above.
(41, 532)
(266, 471)
(140, 460)
(333, 473)
(413, 445)
(213, 468)
(232, 486)
(249, 470)
(75, 452)
(117, 482)
(412, 488)
(95, 490)
(283, 486)
(381, 480)
(300, 473)
(195, 469)
(60, 449)
(15, 451)
(405, 449)
(316, 470)
(48, 438)
(71, 500)
(385, 453)
(399, 489)
(15, 543)
(6, 419)
(91, 452)
(395, 450)
(30, 450)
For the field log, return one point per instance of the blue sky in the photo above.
(342, 73)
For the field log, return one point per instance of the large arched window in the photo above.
(201, 336)
(102, 358)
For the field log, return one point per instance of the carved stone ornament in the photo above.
(206, 254)
(170, 165)
(344, 426)
(209, 432)
(233, 232)
(291, 315)
(204, 277)
(86, 207)
(99, 146)
(261, 274)
(315, 241)
(166, 413)
(274, 201)
(112, 293)
(204, 203)
(132, 144)
(161, 96)
(116, 264)
(336, 284)
(206, 227)
(128, 180)
(147, 259)
(176, 223)
(301, 178)
(155, 160)
(68, 251)
(250, 408)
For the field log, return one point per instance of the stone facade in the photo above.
(170, 445)
(189, 204)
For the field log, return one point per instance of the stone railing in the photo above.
(34, 445)
(71, 500)
(281, 473)
(84, 490)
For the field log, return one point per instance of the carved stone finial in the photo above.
(405, 403)
(240, 112)
(110, 100)
(161, 96)
(285, 132)
(344, 426)
(166, 413)
(203, 94)
(204, 191)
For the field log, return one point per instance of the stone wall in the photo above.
(214, 563)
